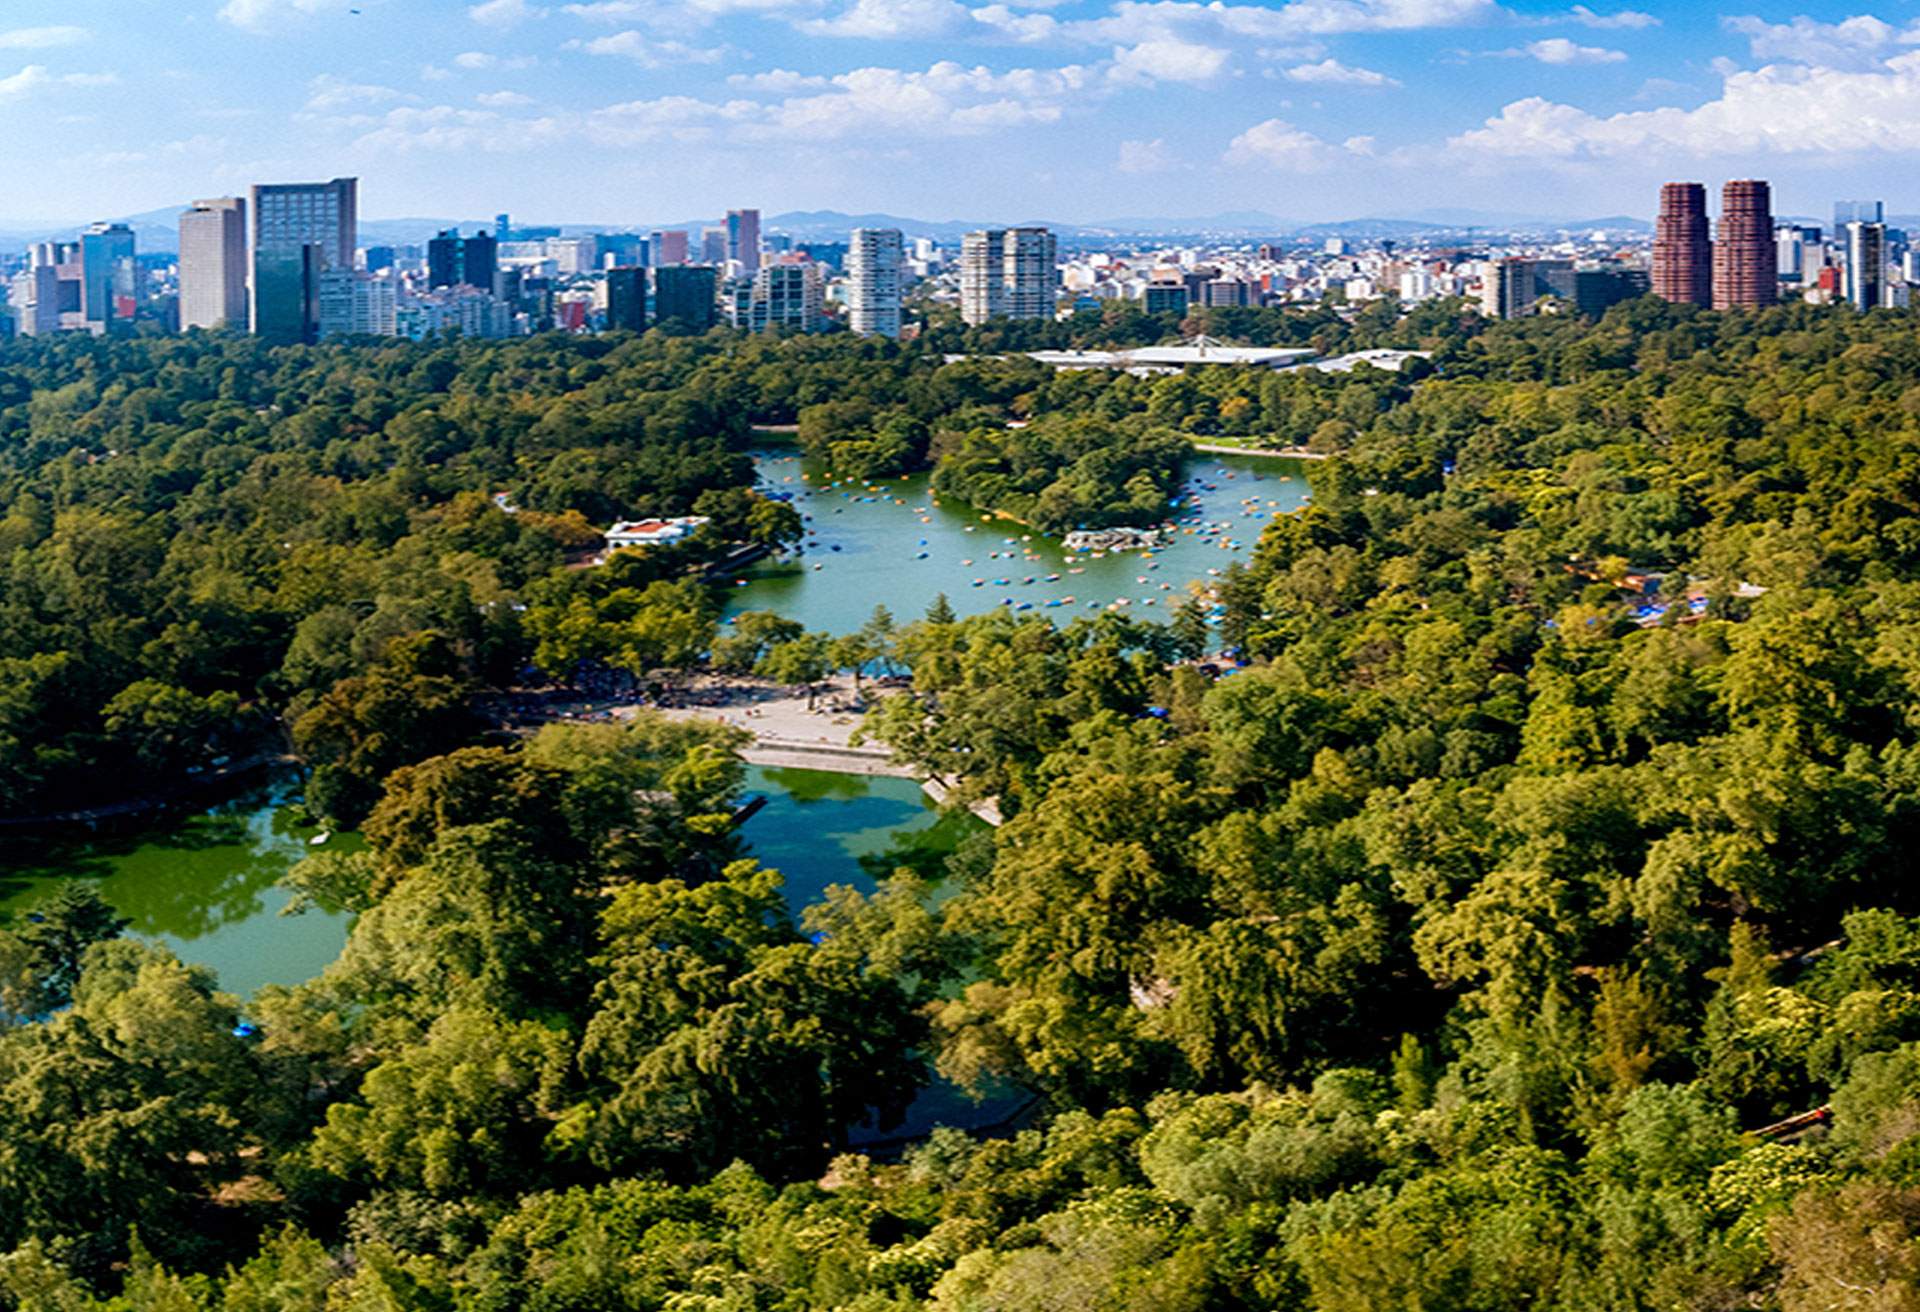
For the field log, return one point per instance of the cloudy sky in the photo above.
(630, 111)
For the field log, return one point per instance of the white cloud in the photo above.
(42, 38)
(503, 13)
(777, 80)
(24, 83)
(945, 100)
(1625, 18)
(1278, 144)
(327, 94)
(1027, 28)
(675, 13)
(443, 127)
(34, 77)
(1291, 27)
(1331, 72)
(891, 20)
(612, 11)
(1167, 59)
(1145, 157)
(260, 15)
(502, 99)
(1559, 50)
(1778, 109)
(1855, 42)
(646, 52)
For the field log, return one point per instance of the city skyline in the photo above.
(625, 110)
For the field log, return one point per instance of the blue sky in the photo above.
(631, 111)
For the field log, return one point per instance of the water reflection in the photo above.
(205, 885)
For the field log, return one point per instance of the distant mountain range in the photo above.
(158, 230)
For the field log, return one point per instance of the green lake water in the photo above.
(891, 543)
(206, 885)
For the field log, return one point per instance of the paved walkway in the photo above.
(787, 734)
(1273, 453)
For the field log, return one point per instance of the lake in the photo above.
(890, 542)
(206, 885)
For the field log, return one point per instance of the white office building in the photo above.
(213, 264)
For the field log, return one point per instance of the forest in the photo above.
(1518, 920)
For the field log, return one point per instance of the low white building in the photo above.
(1201, 351)
(652, 532)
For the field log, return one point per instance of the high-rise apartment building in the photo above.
(627, 299)
(714, 247)
(456, 261)
(213, 264)
(874, 264)
(683, 297)
(300, 230)
(1513, 287)
(1745, 272)
(789, 296)
(1682, 253)
(743, 239)
(1008, 273)
(356, 304)
(1866, 278)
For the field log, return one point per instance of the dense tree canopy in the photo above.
(1448, 945)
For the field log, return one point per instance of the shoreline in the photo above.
(1264, 452)
(787, 734)
(135, 807)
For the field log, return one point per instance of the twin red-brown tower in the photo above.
(1682, 254)
(1738, 270)
(1745, 260)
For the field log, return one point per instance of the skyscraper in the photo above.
(300, 230)
(713, 246)
(1745, 272)
(213, 264)
(1856, 211)
(874, 257)
(627, 299)
(1797, 253)
(1007, 272)
(456, 261)
(683, 297)
(1866, 264)
(668, 247)
(1682, 254)
(107, 275)
(743, 239)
